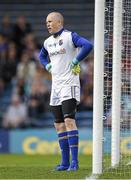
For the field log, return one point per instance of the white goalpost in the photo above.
(112, 88)
(116, 87)
(98, 87)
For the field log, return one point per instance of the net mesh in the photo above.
(125, 132)
(125, 124)
(108, 54)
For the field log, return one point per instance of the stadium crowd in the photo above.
(23, 76)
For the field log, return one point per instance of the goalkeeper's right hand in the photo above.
(76, 69)
(75, 66)
(48, 67)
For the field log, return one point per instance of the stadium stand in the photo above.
(78, 14)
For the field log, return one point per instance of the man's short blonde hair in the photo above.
(58, 16)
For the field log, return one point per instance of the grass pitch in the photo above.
(42, 167)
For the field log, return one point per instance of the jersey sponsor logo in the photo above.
(61, 51)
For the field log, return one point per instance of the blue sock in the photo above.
(73, 139)
(64, 146)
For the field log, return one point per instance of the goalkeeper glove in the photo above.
(75, 66)
(48, 67)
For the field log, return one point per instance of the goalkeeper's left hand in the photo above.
(75, 66)
(48, 67)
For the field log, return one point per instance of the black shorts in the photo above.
(66, 110)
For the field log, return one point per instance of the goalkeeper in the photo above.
(61, 55)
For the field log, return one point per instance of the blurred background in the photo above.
(24, 83)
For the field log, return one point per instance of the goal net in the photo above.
(116, 90)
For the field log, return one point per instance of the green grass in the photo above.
(121, 172)
(42, 167)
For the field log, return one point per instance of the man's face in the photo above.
(53, 24)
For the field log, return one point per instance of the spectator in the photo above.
(16, 114)
(10, 64)
(87, 85)
(2, 85)
(86, 99)
(21, 29)
(6, 27)
(3, 47)
(39, 98)
(35, 108)
(32, 47)
(19, 87)
(26, 69)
